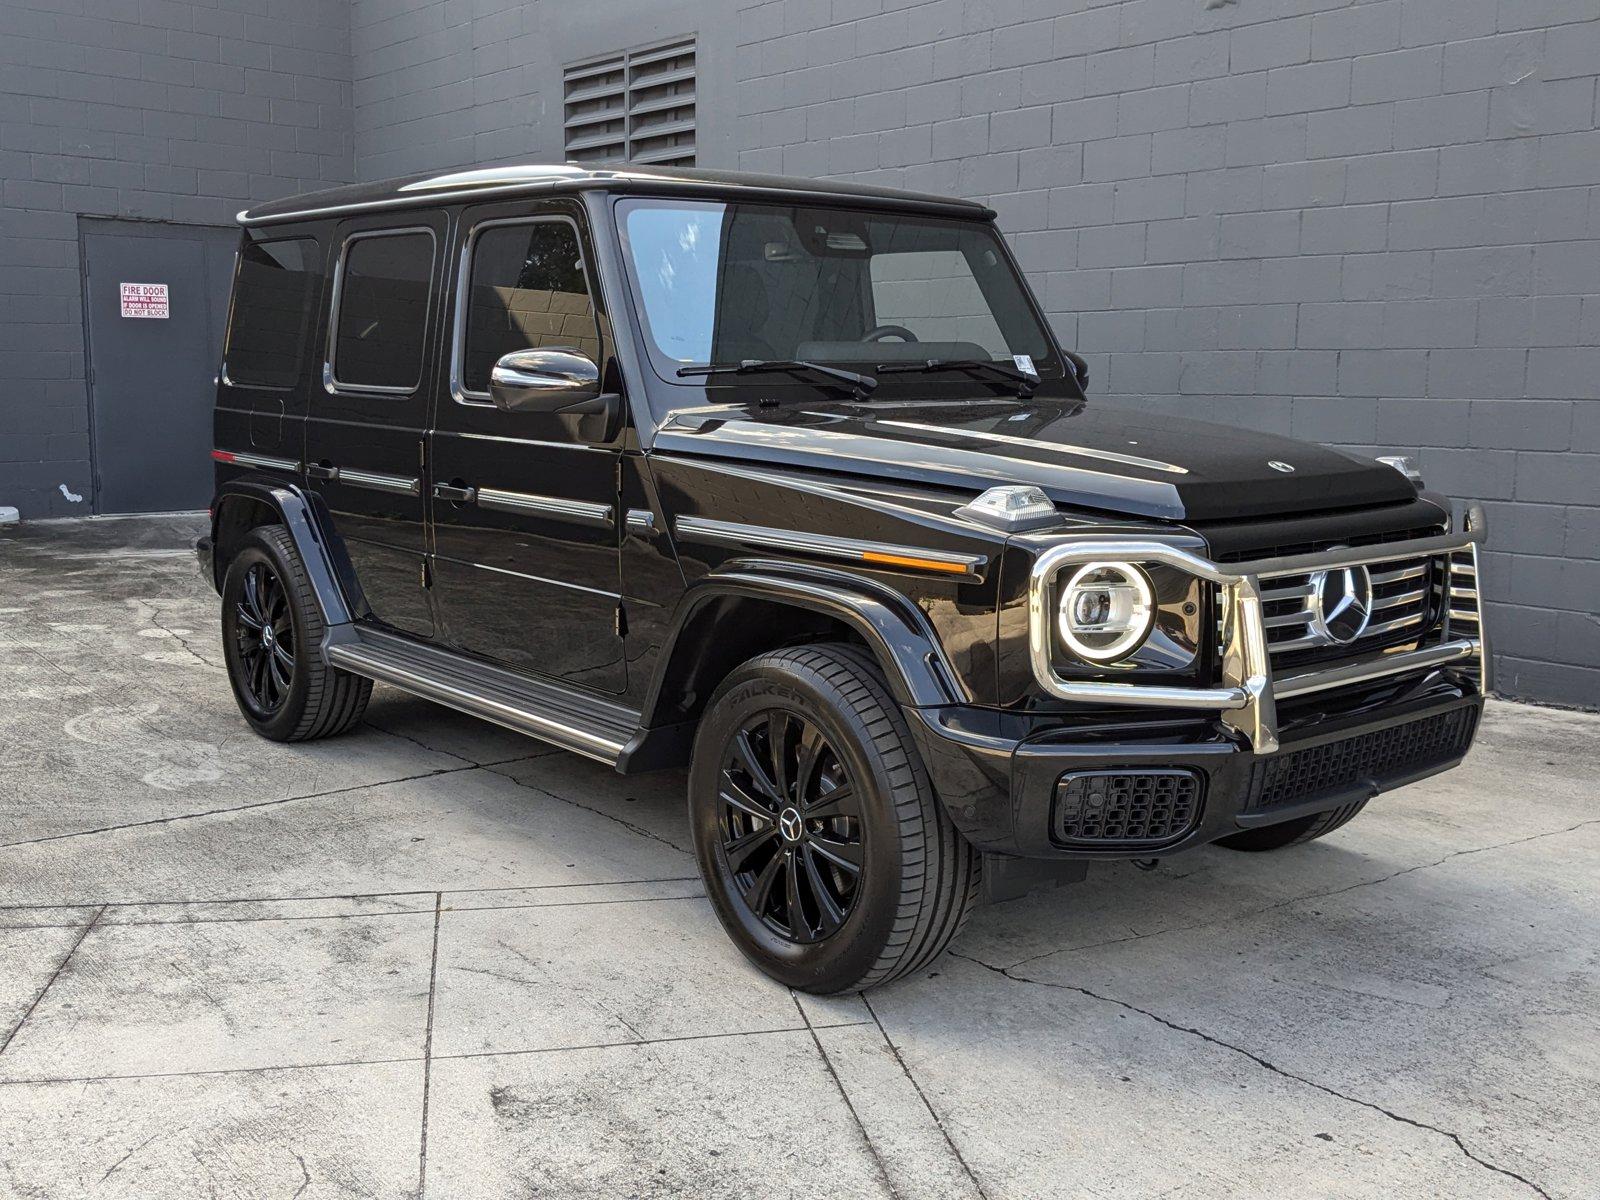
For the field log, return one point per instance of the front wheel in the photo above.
(826, 854)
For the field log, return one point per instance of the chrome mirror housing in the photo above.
(548, 380)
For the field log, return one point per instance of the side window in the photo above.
(273, 299)
(934, 294)
(525, 290)
(381, 321)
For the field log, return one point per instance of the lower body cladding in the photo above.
(1105, 786)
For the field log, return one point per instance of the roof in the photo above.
(419, 191)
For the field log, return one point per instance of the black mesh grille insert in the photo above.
(1127, 808)
(1300, 774)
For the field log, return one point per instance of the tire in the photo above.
(286, 693)
(917, 880)
(1292, 833)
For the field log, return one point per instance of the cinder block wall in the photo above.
(1371, 223)
(162, 110)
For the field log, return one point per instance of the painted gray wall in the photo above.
(1375, 224)
(1369, 222)
(163, 110)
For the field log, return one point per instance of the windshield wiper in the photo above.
(1025, 382)
(861, 385)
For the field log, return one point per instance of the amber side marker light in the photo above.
(921, 564)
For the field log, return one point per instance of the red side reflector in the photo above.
(223, 456)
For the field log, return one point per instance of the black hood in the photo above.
(1089, 456)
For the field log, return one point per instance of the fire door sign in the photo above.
(146, 300)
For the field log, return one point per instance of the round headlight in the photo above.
(1107, 609)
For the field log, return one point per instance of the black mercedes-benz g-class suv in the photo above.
(790, 483)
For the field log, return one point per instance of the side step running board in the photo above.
(572, 720)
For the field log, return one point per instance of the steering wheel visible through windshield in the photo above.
(730, 282)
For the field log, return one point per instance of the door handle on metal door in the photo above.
(449, 491)
(322, 470)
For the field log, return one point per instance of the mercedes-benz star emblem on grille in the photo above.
(1341, 603)
(1286, 468)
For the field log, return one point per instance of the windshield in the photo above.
(726, 283)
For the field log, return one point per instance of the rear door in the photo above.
(365, 425)
(525, 520)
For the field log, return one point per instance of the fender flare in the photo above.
(895, 629)
(298, 513)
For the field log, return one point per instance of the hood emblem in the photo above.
(1286, 468)
(1341, 604)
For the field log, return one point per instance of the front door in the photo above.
(525, 519)
(365, 424)
(157, 300)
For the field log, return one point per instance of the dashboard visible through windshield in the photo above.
(730, 283)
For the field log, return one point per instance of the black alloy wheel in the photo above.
(264, 636)
(272, 629)
(791, 826)
(825, 853)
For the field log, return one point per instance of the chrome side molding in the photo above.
(580, 512)
(376, 481)
(883, 555)
(1247, 699)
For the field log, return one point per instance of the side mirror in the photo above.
(551, 380)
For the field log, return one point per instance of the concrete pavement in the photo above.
(435, 958)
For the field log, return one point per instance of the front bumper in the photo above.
(1002, 791)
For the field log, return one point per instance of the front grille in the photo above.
(1403, 606)
(1125, 807)
(1406, 598)
(1294, 775)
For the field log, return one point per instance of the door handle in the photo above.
(460, 495)
(322, 470)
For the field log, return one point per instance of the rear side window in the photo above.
(273, 300)
(382, 310)
(526, 291)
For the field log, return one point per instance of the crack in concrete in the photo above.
(54, 975)
(599, 812)
(306, 1180)
(112, 1170)
(1292, 900)
(905, 1069)
(155, 619)
(214, 812)
(1268, 1065)
(872, 1149)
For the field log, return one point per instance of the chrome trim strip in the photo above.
(740, 536)
(1375, 668)
(376, 481)
(1410, 597)
(641, 521)
(579, 512)
(558, 583)
(582, 741)
(1005, 439)
(243, 459)
(1247, 698)
(1399, 573)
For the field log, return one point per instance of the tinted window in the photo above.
(526, 291)
(383, 309)
(272, 305)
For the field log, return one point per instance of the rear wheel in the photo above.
(828, 859)
(272, 632)
(1292, 833)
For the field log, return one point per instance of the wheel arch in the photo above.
(243, 505)
(729, 617)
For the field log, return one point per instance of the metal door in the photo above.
(525, 519)
(152, 359)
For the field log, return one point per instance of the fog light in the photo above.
(1107, 609)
